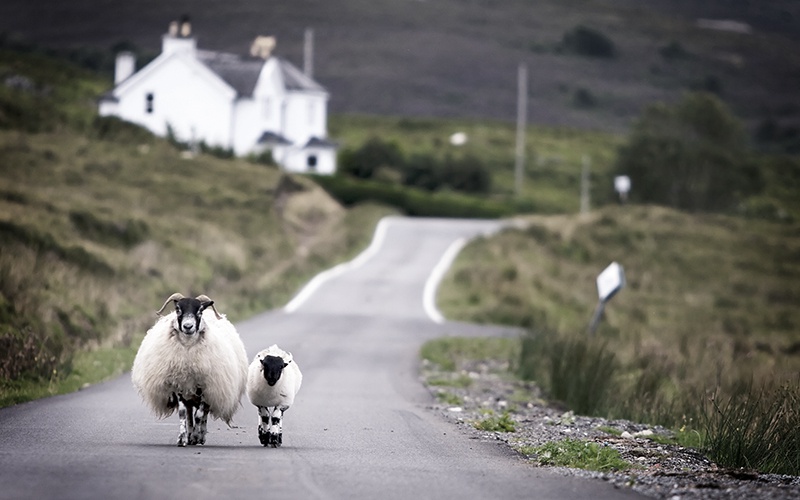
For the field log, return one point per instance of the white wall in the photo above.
(195, 103)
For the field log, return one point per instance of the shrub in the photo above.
(372, 155)
(588, 42)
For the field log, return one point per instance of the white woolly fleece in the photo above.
(283, 392)
(217, 364)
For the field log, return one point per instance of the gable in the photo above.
(163, 62)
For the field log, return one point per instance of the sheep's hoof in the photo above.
(182, 440)
(263, 437)
(275, 440)
(197, 438)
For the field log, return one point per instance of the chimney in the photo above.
(263, 46)
(125, 66)
(186, 27)
(179, 37)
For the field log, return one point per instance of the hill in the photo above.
(459, 58)
(100, 221)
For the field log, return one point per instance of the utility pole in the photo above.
(522, 117)
(308, 53)
(585, 196)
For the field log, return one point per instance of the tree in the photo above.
(690, 156)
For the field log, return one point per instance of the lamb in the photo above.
(273, 380)
(194, 361)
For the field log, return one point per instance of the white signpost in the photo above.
(609, 282)
(622, 185)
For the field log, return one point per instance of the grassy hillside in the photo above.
(458, 58)
(100, 222)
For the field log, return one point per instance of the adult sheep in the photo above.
(273, 380)
(192, 359)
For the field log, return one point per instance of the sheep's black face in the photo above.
(189, 315)
(273, 367)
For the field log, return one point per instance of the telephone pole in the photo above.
(522, 117)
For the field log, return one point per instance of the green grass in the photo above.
(578, 454)
(496, 423)
(450, 353)
(449, 398)
(555, 154)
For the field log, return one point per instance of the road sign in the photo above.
(610, 281)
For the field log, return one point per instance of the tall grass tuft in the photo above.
(756, 429)
(574, 370)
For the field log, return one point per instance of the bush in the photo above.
(689, 156)
(411, 201)
(372, 155)
(588, 42)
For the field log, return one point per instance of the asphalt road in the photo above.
(359, 428)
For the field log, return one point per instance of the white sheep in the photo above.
(193, 360)
(272, 382)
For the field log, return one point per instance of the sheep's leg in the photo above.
(182, 434)
(198, 435)
(275, 434)
(264, 417)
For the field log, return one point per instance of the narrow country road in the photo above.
(359, 428)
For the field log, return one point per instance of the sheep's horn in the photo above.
(174, 296)
(205, 298)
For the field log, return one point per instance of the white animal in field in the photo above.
(273, 380)
(192, 359)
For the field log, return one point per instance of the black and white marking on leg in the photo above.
(182, 433)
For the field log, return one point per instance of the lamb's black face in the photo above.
(189, 314)
(273, 367)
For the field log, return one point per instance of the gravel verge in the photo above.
(658, 470)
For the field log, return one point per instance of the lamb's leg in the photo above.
(263, 424)
(198, 435)
(275, 435)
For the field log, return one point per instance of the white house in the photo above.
(249, 104)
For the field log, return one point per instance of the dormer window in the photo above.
(148, 102)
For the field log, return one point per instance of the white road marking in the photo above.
(432, 284)
(318, 280)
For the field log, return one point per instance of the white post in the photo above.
(522, 116)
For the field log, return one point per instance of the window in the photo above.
(148, 106)
(311, 162)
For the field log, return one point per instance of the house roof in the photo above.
(242, 73)
(238, 72)
(316, 142)
(294, 79)
(273, 139)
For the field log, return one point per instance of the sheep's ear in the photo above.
(285, 364)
